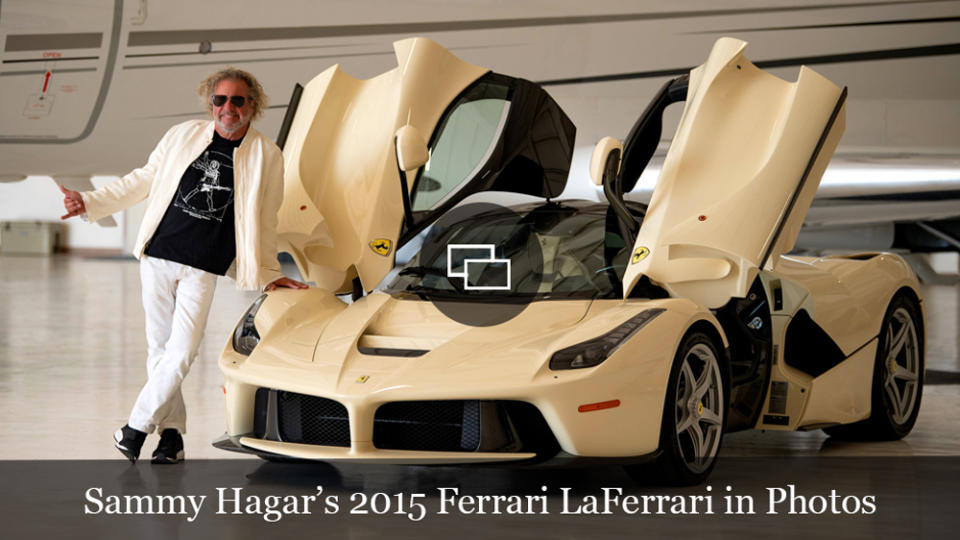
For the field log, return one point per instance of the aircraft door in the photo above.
(58, 61)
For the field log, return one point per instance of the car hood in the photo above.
(340, 161)
(738, 178)
(397, 341)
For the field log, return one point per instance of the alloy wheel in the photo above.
(699, 408)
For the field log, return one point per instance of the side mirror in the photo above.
(412, 150)
(601, 153)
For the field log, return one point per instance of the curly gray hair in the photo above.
(257, 96)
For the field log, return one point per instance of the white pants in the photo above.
(176, 301)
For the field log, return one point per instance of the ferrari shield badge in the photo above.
(381, 246)
(639, 254)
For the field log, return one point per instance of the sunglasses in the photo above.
(219, 100)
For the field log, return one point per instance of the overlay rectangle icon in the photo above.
(479, 267)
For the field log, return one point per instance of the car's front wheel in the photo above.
(694, 415)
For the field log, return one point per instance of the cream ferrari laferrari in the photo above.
(549, 330)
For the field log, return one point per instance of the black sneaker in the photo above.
(170, 449)
(129, 441)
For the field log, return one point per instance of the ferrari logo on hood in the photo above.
(381, 246)
(639, 254)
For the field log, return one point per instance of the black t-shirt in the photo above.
(198, 228)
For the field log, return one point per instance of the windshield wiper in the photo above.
(422, 271)
(425, 292)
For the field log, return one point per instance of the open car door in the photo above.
(738, 178)
(351, 197)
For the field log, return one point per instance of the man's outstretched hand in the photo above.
(286, 282)
(72, 203)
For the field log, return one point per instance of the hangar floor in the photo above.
(72, 362)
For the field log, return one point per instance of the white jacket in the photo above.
(258, 191)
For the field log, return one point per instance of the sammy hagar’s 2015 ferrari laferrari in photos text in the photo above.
(555, 329)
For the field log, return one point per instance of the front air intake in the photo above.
(463, 426)
(300, 418)
(449, 426)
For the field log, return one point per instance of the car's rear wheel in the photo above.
(694, 416)
(897, 377)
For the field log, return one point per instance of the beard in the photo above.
(231, 125)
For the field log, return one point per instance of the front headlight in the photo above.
(245, 336)
(592, 352)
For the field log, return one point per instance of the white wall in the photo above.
(37, 199)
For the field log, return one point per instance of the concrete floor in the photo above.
(72, 348)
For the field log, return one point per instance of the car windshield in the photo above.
(549, 250)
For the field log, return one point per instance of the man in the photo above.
(213, 189)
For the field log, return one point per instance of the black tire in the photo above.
(897, 377)
(692, 429)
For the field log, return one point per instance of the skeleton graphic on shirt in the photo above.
(207, 199)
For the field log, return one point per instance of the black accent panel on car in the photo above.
(791, 204)
(260, 412)
(528, 422)
(644, 136)
(312, 420)
(644, 288)
(537, 145)
(809, 348)
(779, 391)
(301, 418)
(387, 351)
(613, 191)
(530, 155)
(292, 107)
(450, 426)
(777, 289)
(776, 420)
(746, 323)
(462, 426)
